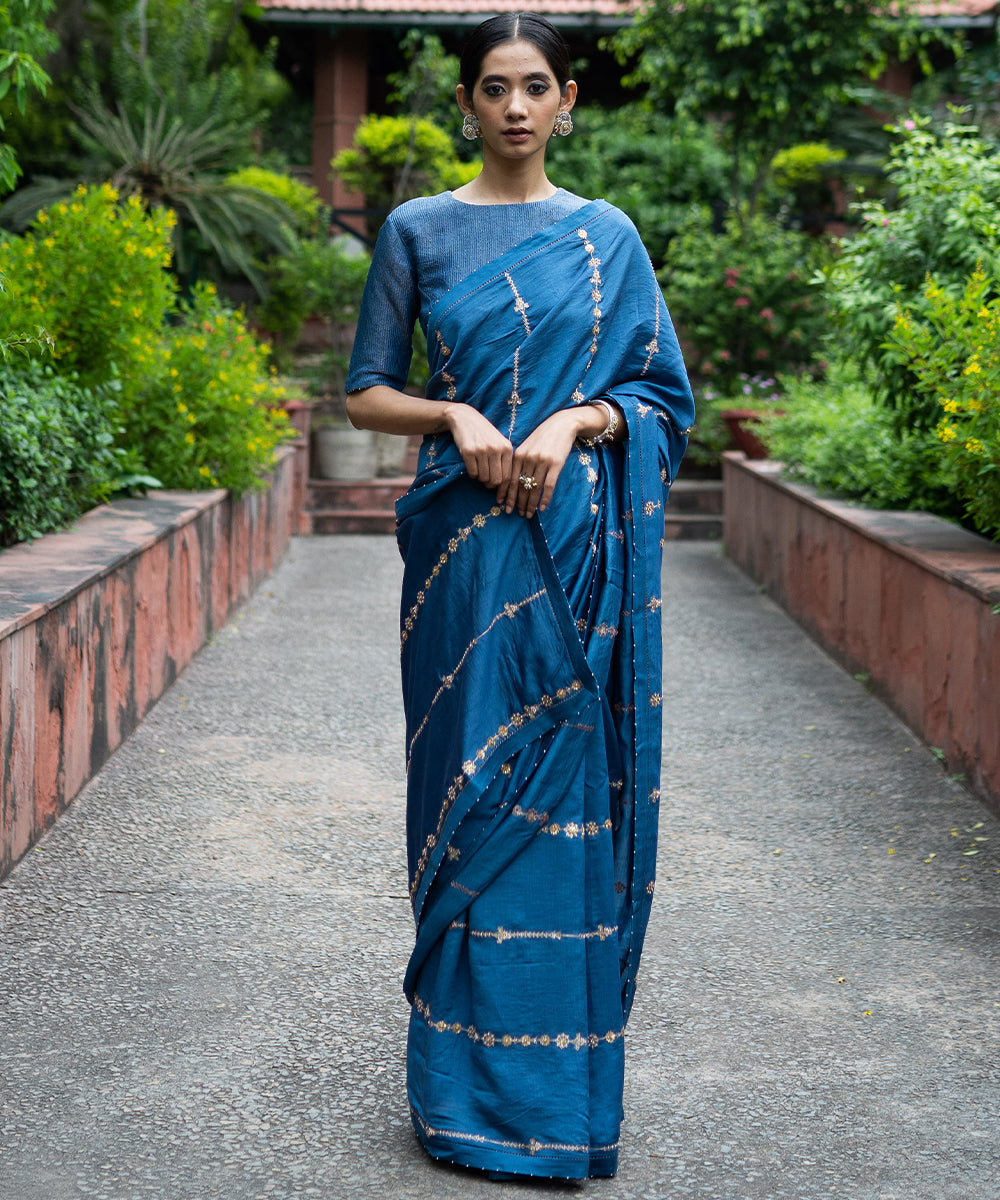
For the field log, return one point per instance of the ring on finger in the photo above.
(527, 482)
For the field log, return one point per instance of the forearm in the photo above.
(389, 411)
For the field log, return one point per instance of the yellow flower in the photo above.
(181, 408)
(950, 406)
(946, 432)
(189, 438)
(973, 367)
(205, 472)
(975, 446)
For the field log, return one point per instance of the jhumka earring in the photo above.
(563, 124)
(470, 127)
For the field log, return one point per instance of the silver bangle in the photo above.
(609, 430)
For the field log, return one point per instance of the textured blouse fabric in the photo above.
(425, 247)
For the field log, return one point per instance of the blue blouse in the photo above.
(424, 248)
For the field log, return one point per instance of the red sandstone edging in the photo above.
(96, 622)
(905, 597)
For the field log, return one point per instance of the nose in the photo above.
(516, 106)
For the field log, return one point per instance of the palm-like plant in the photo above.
(170, 163)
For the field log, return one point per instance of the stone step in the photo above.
(361, 496)
(692, 527)
(695, 496)
(694, 511)
(351, 520)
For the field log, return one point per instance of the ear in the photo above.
(568, 95)
(463, 100)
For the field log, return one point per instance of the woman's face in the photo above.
(516, 99)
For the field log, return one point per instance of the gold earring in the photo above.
(563, 126)
(471, 128)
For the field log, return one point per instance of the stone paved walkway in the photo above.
(200, 966)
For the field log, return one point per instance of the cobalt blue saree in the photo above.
(532, 686)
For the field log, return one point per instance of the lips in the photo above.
(517, 134)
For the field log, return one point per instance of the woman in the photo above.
(556, 416)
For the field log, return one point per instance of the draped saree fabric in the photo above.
(532, 689)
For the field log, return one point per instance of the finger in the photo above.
(545, 493)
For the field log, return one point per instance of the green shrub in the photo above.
(745, 300)
(943, 223)
(655, 168)
(836, 436)
(206, 412)
(953, 351)
(320, 277)
(803, 172)
(397, 158)
(301, 200)
(95, 275)
(57, 457)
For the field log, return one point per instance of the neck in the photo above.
(510, 183)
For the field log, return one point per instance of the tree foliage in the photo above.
(770, 72)
(24, 41)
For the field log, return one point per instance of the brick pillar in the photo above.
(341, 99)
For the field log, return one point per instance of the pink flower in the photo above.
(742, 301)
(761, 354)
(725, 355)
(730, 281)
(909, 124)
(766, 314)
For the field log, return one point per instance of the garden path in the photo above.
(201, 963)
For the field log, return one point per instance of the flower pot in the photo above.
(390, 455)
(740, 422)
(343, 452)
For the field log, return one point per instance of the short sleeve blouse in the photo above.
(425, 247)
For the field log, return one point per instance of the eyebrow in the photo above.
(544, 76)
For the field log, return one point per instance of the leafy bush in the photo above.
(302, 201)
(953, 352)
(653, 167)
(744, 299)
(943, 223)
(396, 158)
(205, 412)
(57, 457)
(318, 277)
(804, 171)
(837, 436)
(94, 274)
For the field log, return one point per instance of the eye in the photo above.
(538, 89)
(493, 89)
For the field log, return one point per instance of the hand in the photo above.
(487, 454)
(540, 457)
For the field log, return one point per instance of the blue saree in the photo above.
(531, 662)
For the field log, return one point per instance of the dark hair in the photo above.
(513, 27)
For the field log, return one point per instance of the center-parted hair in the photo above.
(514, 27)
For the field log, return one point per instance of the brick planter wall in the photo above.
(905, 597)
(98, 621)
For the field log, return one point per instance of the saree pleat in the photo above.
(530, 654)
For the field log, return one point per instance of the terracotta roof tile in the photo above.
(604, 8)
(335, 8)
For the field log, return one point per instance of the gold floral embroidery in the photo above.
(655, 700)
(509, 612)
(562, 1041)
(596, 283)
(571, 829)
(533, 1145)
(650, 507)
(501, 935)
(462, 535)
(529, 713)
(653, 346)
(521, 305)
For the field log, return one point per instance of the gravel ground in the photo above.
(200, 966)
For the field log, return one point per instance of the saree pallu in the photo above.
(532, 690)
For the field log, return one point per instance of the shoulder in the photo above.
(415, 215)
